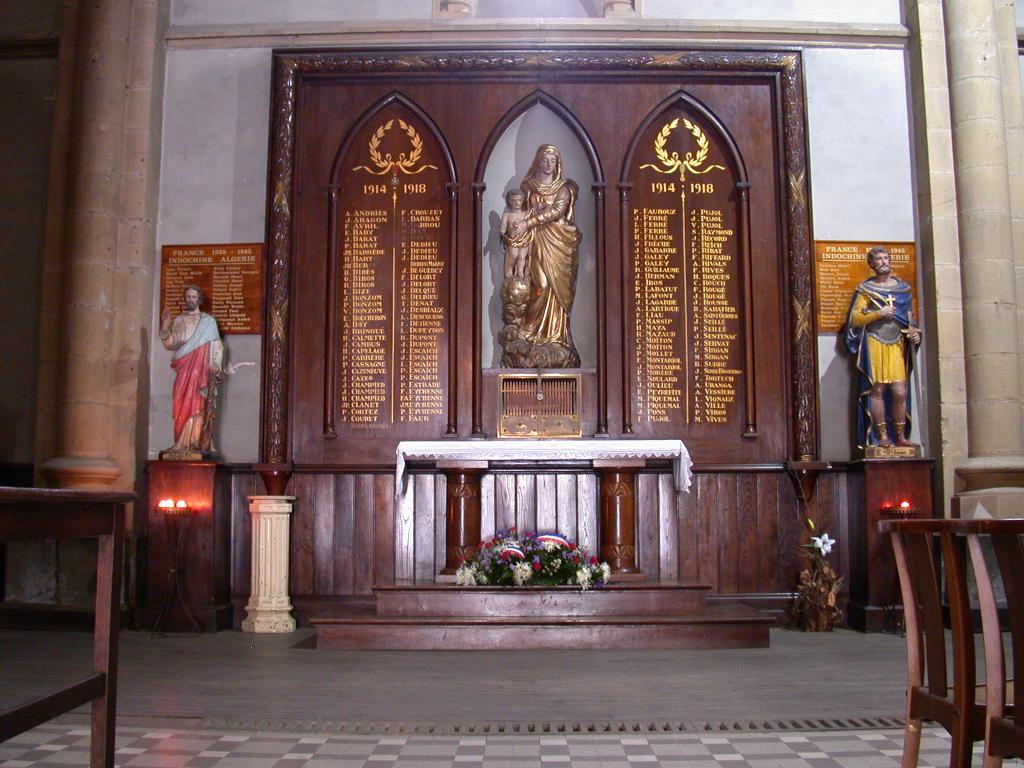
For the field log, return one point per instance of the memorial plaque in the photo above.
(231, 276)
(840, 266)
(686, 280)
(393, 279)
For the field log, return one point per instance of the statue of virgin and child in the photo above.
(541, 245)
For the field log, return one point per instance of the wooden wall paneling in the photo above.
(504, 501)
(668, 528)
(323, 534)
(768, 530)
(344, 533)
(405, 550)
(565, 519)
(526, 502)
(547, 503)
(384, 528)
(423, 528)
(689, 546)
(792, 528)
(586, 511)
(728, 535)
(748, 536)
(648, 556)
(487, 502)
(841, 516)
(440, 520)
(363, 551)
(301, 581)
(707, 510)
(242, 486)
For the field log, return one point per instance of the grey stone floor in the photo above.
(258, 680)
(58, 745)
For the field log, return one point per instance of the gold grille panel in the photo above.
(545, 405)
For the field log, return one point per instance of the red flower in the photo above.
(572, 547)
(593, 560)
(536, 566)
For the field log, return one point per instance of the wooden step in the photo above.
(720, 626)
(627, 598)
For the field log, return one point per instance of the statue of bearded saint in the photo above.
(537, 305)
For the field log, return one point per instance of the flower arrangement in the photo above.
(816, 606)
(509, 559)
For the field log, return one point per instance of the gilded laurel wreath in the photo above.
(690, 162)
(385, 163)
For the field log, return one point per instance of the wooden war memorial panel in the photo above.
(839, 266)
(375, 268)
(231, 276)
(389, 273)
(687, 281)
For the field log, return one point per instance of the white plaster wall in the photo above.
(505, 170)
(820, 11)
(861, 186)
(197, 12)
(200, 12)
(213, 190)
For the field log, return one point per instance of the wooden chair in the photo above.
(34, 513)
(931, 697)
(1005, 722)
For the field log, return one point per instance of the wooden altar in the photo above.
(693, 319)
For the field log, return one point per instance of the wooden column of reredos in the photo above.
(736, 533)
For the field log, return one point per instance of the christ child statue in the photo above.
(516, 246)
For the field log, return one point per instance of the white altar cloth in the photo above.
(543, 450)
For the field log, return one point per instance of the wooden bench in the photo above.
(36, 513)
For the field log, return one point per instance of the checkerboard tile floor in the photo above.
(57, 744)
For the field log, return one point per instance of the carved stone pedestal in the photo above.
(876, 488)
(269, 608)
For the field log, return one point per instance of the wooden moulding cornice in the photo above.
(290, 66)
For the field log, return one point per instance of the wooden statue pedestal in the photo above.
(626, 615)
(203, 566)
(876, 487)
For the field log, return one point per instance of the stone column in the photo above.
(1013, 121)
(86, 320)
(269, 608)
(995, 428)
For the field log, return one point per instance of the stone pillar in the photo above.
(995, 428)
(1013, 121)
(937, 214)
(454, 9)
(619, 8)
(86, 321)
(269, 608)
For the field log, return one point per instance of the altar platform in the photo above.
(619, 616)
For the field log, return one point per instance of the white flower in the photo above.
(522, 572)
(465, 575)
(583, 576)
(606, 572)
(551, 546)
(823, 543)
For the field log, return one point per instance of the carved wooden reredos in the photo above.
(695, 263)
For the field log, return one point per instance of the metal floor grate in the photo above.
(501, 728)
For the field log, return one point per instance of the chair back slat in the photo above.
(1009, 551)
(924, 577)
